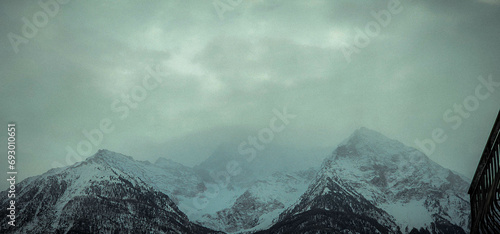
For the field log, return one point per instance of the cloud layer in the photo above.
(224, 76)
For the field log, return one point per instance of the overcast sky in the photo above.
(224, 69)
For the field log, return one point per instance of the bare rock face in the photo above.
(379, 179)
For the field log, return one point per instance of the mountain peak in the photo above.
(104, 151)
(368, 137)
(368, 133)
(372, 144)
(107, 155)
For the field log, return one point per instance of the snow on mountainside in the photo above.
(369, 184)
(368, 173)
(164, 178)
(401, 180)
(165, 175)
(92, 196)
(244, 201)
(261, 203)
(331, 206)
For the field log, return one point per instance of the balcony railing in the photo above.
(485, 187)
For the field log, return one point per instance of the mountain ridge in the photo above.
(368, 179)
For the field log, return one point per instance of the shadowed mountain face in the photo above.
(379, 179)
(369, 184)
(329, 205)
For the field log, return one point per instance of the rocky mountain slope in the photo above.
(402, 181)
(95, 196)
(384, 186)
(369, 184)
(332, 206)
(261, 203)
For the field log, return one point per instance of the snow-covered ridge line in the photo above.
(380, 182)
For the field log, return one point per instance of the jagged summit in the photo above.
(108, 154)
(369, 136)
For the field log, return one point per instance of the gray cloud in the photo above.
(226, 76)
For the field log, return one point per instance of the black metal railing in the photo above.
(485, 187)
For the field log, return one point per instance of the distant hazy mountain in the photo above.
(273, 158)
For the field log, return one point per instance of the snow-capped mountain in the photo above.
(98, 195)
(167, 176)
(369, 184)
(401, 180)
(385, 187)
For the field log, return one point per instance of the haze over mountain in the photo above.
(369, 184)
(377, 185)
